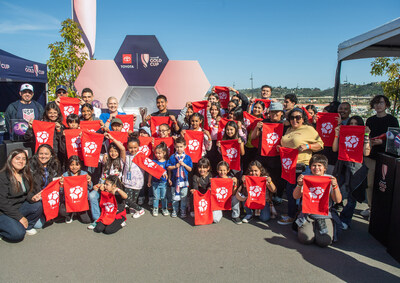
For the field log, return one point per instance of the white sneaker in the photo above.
(247, 218)
(123, 224)
(138, 213)
(140, 200)
(92, 226)
(31, 232)
(365, 213)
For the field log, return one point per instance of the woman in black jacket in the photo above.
(17, 215)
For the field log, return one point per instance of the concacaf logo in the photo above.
(286, 163)
(53, 198)
(145, 150)
(76, 142)
(125, 127)
(42, 137)
(90, 147)
(109, 207)
(223, 95)
(255, 191)
(326, 128)
(193, 145)
(316, 193)
(246, 122)
(351, 141)
(68, 110)
(76, 192)
(203, 204)
(272, 138)
(149, 163)
(231, 153)
(221, 193)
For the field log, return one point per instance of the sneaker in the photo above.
(345, 226)
(285, 220)
(183, 215)
(69, 219)
(31, 232)
(139, 213)
(173, 214)
(365, 213)
(338, 206)
(165, 212)
(277, 200)
(247, 218)
(155, 211)
(237, 220)
(192, 214)
(123, 224)
(92, 226)
(140, 200)
(150, 203)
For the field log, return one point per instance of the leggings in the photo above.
(131, 201)
(109, 229)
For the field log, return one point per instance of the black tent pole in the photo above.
(337, 81)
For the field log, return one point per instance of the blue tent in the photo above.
(15, 71)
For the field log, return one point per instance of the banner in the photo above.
(51, 200)
(271, 137)
(146, 145)
(91, 143)
(148, 165)
(309, 117)
(121, 137)
(201, 107)
(256, 192)
(91, 126)
(76, 193)
(223, 94)
(194, 144)
(168, 141)
(109, 208)
(128, 121)
(202, 208)
(267, 103)
(250, 121)
(156, 122)
(68, 106)
(221, 193)
(73, 142)
(326, 124)
(351, 143)
(289, 161)
(44, 133)
(316, 191)
(230, 150)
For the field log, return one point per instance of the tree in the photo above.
(66, 58)
(391, 68)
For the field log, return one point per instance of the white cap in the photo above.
(26, 86)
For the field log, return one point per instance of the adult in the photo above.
(379, 124)
(112, 112)
(87, 96)
(344, 110)
(271, 163)
(44, 167)
(23, 109)
(17, 215)
(289, 102)
(61, 90)
(242, 99)
(162, 106)
(305, 138)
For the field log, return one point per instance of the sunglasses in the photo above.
(297, 117)
(61, 91)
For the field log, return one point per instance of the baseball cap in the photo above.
(116, 120)
(63, 87)
(146, 129)
(276, 106)
(26, 86)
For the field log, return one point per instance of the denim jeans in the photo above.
(217, 214)
(94, 197)
(183, 201)
(265, 213)
(347, 213)
(292, 203)
(12, 229)
(159, 193)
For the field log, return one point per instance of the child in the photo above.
(113, 160)
(73, 121)
(184, 115)
(112, 185)
(180, 165)
(202, 181)
(317, 227)
(237, 115)
(257, 170)
(213, 155)
(74, 166)
(223, 172)
(160, 185)
(132, 178)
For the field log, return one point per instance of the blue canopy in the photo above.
(17, 69)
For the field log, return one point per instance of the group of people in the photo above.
(23, 179)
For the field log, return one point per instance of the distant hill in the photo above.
(347, 89)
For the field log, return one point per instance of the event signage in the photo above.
(141, 60)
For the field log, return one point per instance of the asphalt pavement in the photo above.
(165, 249)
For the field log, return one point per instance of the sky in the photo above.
(286, 43)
